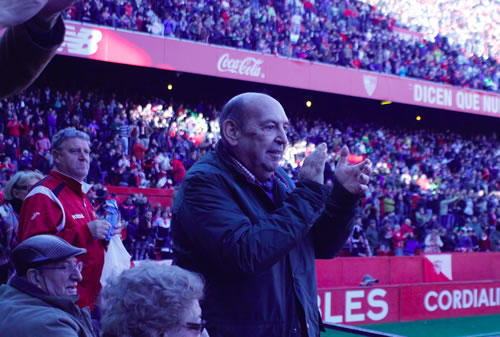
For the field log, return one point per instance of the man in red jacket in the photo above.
(59, 205)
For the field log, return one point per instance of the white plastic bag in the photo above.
(116, 260)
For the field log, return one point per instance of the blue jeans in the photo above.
(398, 251)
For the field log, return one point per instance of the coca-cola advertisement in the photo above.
(248, 66)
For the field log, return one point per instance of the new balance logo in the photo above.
(81, 41)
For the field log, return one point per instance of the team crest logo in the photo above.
(370, 83)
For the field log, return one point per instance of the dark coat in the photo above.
(28, 311)
(256, 255)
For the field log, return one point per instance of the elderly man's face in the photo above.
(262, 139)
(72, 158)
(61, 278)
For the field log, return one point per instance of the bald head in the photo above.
(241, 106)
(254, 128)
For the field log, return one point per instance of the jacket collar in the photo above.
(228, 158)
(77, 186)
(66, 303)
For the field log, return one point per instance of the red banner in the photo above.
(394, 270)
(359, 305)
(119, 46)
(449, 300)
(370, 305)
(154, 195)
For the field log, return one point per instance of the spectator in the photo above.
(41, 298)
(132, 234)
(495, 238)
(43, 163)
(56, 207)
(26, 161)
(144, 236)
(153, 299)
(433, 242)
(407, 228)
(14, 193)
(446, 221)
(177, 170)
(95, 172)
(448, 239)
(128, 210)
(372, 236)
(385, 236)
(464, 243)
(473, 239)
(359, 243)
(484, 243)
(412, 246)
(138, 150)
(248, 244)
(42, 144)
(398, 241)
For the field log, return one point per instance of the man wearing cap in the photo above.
(41, 299)
(59, 205)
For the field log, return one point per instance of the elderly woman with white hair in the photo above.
(15, 191)
(153, 300)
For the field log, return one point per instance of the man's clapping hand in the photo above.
(354, 178)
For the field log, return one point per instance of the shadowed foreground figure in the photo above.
(35, 31)
(242, 223)
(153, 300)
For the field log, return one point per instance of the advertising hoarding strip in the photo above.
(384, 304)
(127, 47)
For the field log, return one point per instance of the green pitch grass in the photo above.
(471, 326)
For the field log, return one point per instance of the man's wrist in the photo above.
(40, 24)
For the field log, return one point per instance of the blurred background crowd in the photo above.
(427, 184)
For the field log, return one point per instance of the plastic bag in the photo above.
(116, 260)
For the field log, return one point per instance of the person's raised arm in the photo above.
(334, 226)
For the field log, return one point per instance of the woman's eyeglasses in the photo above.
(20, 187)
(196, 326)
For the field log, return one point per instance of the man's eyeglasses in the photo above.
(68, 268)
(196, 326)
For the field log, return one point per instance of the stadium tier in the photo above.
(119, 46)
(457, 44)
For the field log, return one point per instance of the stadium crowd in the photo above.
(463, 22)
(427, 182)
(347, 33)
